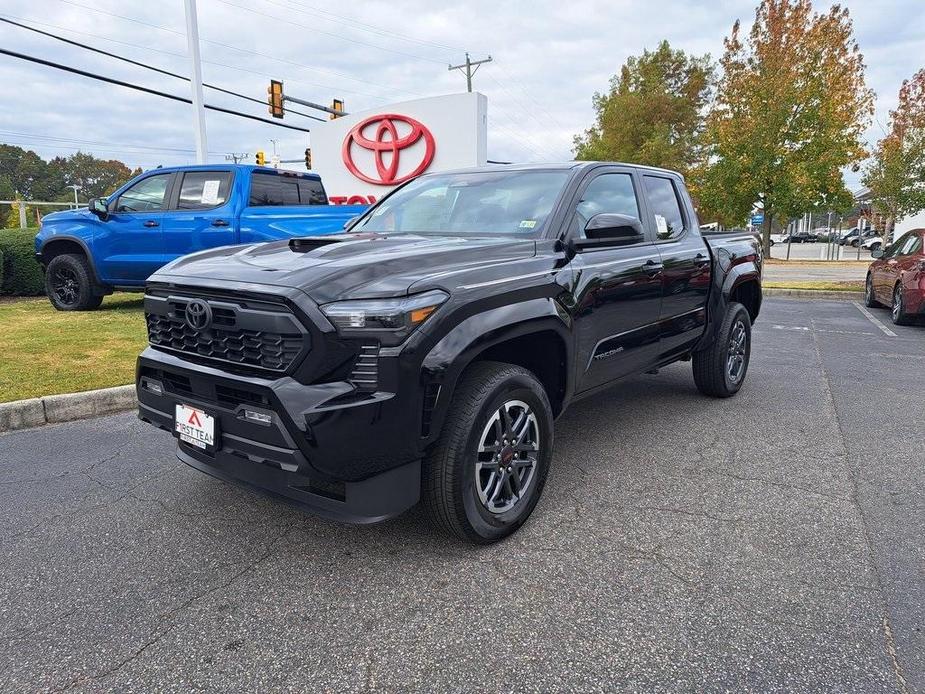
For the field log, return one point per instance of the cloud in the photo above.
(548, 59)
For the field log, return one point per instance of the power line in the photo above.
(329, 33)
(148, 90)
(212, 62)
(352, 23)
(147, 67)
(244, 50)
(54, 139)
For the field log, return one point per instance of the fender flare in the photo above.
(457, 349)
(80, 242)
(736, 275)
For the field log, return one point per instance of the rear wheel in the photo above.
(487, 472)
(898, 310)
(69, 284)
(869, 300)
(719, 370)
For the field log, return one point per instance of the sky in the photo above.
(548, 59)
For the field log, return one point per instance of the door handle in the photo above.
(152, 223)
(219, 223)
(652, 268)
(701, 260)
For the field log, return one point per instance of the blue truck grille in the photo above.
(239, 333)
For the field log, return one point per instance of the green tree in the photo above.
(790, 111)
(96, 177)
(28, 173)
(895, 173)
(653, 113)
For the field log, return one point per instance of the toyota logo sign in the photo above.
(386, 140)
(198, 314)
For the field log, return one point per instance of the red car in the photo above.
(897, 278)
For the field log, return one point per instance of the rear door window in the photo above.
(666, 208)
(273, 190)
(201, 190)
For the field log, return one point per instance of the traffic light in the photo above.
(260, 158)
(275, 98)
(308, 158)
(337, 105)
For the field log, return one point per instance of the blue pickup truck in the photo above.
(117, 242)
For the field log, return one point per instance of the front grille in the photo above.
(241, 333)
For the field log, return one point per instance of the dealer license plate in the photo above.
(195, 427)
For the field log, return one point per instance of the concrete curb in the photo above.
(52, 409)
(814, 294)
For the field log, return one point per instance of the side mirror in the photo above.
(350, 222)
(877, 253)
(608, 229)
(98, 207)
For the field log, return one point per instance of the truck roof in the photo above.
(556, 166)
(227, 167)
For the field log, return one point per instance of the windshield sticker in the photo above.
(210, 193)
(661, 225)
(528, 224)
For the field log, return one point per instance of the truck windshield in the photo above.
(478, 203)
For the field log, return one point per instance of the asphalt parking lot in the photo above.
(773, 541)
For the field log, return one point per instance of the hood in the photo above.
(80, 214)
(351, 266)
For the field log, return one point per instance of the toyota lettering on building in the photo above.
(363, 156)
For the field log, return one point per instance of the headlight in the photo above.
(388, 320)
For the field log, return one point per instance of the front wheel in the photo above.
(69, 284)
(486, 474)
(719, 370)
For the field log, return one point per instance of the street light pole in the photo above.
(199, 114)
(75, 187)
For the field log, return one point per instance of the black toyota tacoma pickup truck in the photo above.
(424, 353)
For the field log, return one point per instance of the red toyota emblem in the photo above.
(387, 140)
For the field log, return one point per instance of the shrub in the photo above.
(20, 275)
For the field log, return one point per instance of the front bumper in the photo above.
(340, 454)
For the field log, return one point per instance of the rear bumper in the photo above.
(354, 459)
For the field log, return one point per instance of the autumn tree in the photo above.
(653, 113)
(790, 111)
(96, 177)
(895, 174)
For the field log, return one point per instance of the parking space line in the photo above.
(803, 328)
(873, 319)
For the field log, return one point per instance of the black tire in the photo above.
(69, 284)
(456, 473)
(713, 367)
(869, 299)
(898, 309)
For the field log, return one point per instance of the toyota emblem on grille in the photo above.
(198, 315)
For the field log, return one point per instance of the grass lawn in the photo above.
(45, 352)
(817, 285)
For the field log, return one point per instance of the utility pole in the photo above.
(199, 114)
(467, 66)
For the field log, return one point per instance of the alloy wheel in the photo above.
(897, 303)
(66, 286)
(508, 455)
(735, 356)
